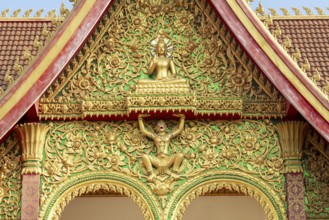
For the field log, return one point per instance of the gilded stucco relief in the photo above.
(10, 178)
(245, 151)
(104, 79)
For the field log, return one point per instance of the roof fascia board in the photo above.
(274, 61)
(281, 58)
(50, 63)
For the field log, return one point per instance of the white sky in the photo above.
(55, 4)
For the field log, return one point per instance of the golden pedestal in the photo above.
(161, 96)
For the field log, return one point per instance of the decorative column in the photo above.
(32, 138)
(292, 135)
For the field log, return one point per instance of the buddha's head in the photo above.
(161, 127)
(161, 47)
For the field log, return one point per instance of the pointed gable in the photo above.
(103, 75)
(250, 39)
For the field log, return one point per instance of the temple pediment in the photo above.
(163, 101)
(110, 76)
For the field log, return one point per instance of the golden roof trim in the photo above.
(304, 69)
(63, 12)
(316, 102)
(285, 12)
(296, 17)
(18, 19)
(52, 17)
(50, 55)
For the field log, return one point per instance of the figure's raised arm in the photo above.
(153, 65)
(180, 126)
(142, 127)
(172, 69)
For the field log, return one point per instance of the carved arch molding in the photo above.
(94, 182)
(211, 182)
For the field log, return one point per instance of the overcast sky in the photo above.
(55, 4)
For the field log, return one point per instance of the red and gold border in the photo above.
(279, 56)
(275, 62)
(51, 62)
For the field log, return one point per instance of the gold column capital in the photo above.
(292, 135)
(32, 138)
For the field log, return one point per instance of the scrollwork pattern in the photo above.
(10, 178)
(316, 176)
(76, 148)
(116, 56)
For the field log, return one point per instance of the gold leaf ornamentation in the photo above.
(316, 178)
(10, 178)
(92, 184)
(32, 137)
(117, 148)
(227, 182)
(117, 56)
(5, 12)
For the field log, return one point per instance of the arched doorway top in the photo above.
(54, 205)
(227, 180)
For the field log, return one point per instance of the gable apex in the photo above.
(237, 16)
(104, 79)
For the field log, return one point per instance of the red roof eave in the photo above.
(242, 33)
(29, 88)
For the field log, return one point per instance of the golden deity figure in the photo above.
(163, 161)
(162, 64)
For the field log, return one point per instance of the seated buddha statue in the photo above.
(163, 66)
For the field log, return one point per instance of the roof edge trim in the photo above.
(47, 59)
(15, 19)
(50, 62)
(296, 17)
(257, 41)
(295, 76)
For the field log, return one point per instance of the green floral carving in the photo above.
(79, 148)
(316, 177)
(10, 178)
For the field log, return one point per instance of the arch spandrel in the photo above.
(10, 178)
(316, 179)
